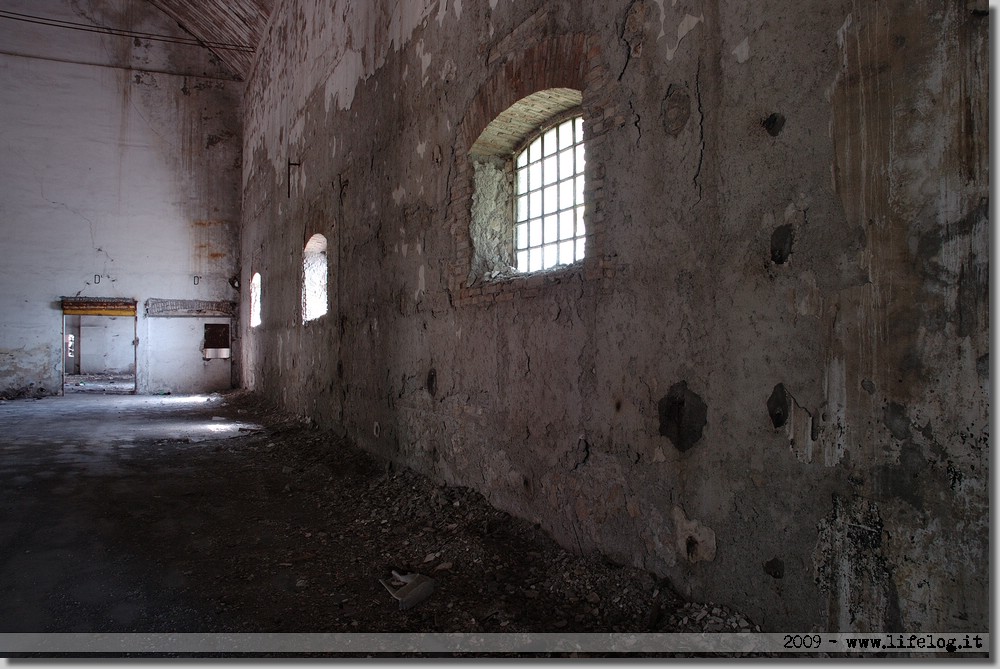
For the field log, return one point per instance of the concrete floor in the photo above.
(116, 384)
(131, 513)
(68, 466)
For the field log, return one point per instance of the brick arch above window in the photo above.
(511, 127)
(560, 62)
(525, 88)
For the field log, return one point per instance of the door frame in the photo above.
(100, 306)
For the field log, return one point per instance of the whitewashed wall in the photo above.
(118, 160)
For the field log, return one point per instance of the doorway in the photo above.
(99, 345)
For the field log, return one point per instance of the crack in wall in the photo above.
(635, 122)
(630, 34)
(701, 133)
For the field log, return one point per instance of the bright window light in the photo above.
(548, 225)
(314, 277)
(255, 300)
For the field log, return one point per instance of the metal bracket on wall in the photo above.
(288, 177)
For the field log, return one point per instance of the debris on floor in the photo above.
(709, 618)
(414, 588)
(284, 527)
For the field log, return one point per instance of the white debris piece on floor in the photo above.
(416, 589)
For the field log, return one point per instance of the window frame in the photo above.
(315, 240)
(567, 62)
(256, 300)
(579, 200)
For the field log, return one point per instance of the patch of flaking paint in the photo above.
(662, 17)
(693, 540)
(405, 19)
(742, 50)
(841, 41)
(397, 195)
(425, 61)
(687, 24)
(421, 148)
(421, 284)
(836, 409)
(343, 81)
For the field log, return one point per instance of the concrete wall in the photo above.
(119, 173)
(105, 345)
(175, 362)
(769, 379)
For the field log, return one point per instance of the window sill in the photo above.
(509, 286)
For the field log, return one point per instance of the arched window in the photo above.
(527, 205)
(255, 300)
(314, 276)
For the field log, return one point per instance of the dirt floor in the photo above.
(225, 515)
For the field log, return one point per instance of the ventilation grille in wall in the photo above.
(166, 308)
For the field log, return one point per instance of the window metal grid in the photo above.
(548, 206)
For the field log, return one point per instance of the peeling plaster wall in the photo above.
(770, 384)
(120, 160)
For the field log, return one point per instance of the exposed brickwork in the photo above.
(561, 62)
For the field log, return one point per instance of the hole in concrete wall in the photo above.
(676, 109)
(683, 416)
(894, 417)
(618, 406)
(432, 382)
(692, 548)
(777, 406)
(255, 300)
(781, 243)
(377, 430)
(774, 568)
(774, 124)
(314, 278)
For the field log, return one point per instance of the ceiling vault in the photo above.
(230, 29)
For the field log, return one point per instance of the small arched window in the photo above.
(255, 300)
(314, 278)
